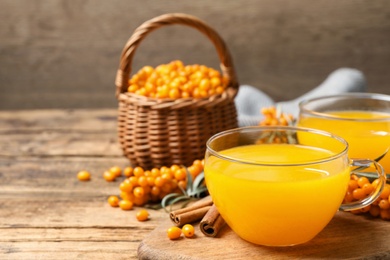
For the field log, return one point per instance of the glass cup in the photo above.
(280, 186)
(363, 119)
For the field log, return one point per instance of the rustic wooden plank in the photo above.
(60, 143)
(49, 188)
(59, 133)
(69, 250)
(42, 203)
(98, 120)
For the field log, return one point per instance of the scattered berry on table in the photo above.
(83, 175)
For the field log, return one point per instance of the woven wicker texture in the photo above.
(161, 132)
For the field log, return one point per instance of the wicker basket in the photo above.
(161, 132)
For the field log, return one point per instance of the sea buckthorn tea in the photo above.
(279, 194)
(362, 119)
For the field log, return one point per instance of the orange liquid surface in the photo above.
(366, 139)
(277, 205)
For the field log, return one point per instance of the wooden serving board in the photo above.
(347, 236)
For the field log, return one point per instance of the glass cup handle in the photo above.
(375, 194)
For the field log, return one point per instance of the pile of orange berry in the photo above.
(174, 80)
(360, 188)
(142, 186)
(273, 118)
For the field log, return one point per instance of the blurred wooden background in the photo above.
(64, 54)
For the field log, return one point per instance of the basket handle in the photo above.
(144, 29)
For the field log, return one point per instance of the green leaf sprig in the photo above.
(195, 189)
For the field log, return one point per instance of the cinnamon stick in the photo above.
(191, 213)
(212, 222)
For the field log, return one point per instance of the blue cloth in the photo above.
(250, 100)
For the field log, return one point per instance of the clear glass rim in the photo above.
(354, 95)
(275, 128)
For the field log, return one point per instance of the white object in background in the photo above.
(250, 100)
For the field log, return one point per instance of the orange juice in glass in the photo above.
(280, 194)
(362, 119)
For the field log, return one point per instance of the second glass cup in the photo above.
(362, 119)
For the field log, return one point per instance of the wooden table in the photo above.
(47, 213)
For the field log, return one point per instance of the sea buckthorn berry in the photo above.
(125, 204)
(182, 184)
(159, 181)
(365, 209)
(358, 194)
(155, 191)
(174, 233)
(83, 176)
(174, 167)
(368, 188)
(348, 197)
(126, 186)
(116, 171)
(375, 183)
(352, 185)
(128, 171)
(385, 214)
(188, 230)
(139, 192)
(354, 177)
(385, 192)
(375, 211)
(362, 180)
(155, 172)
(113, 201)
(133, 180)
(109, 176)
(142, 181)
(384, 204)
(138, 171)
(142, 215)
(174, 80)
(180, 174)
(127, 195)
(150, 180)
